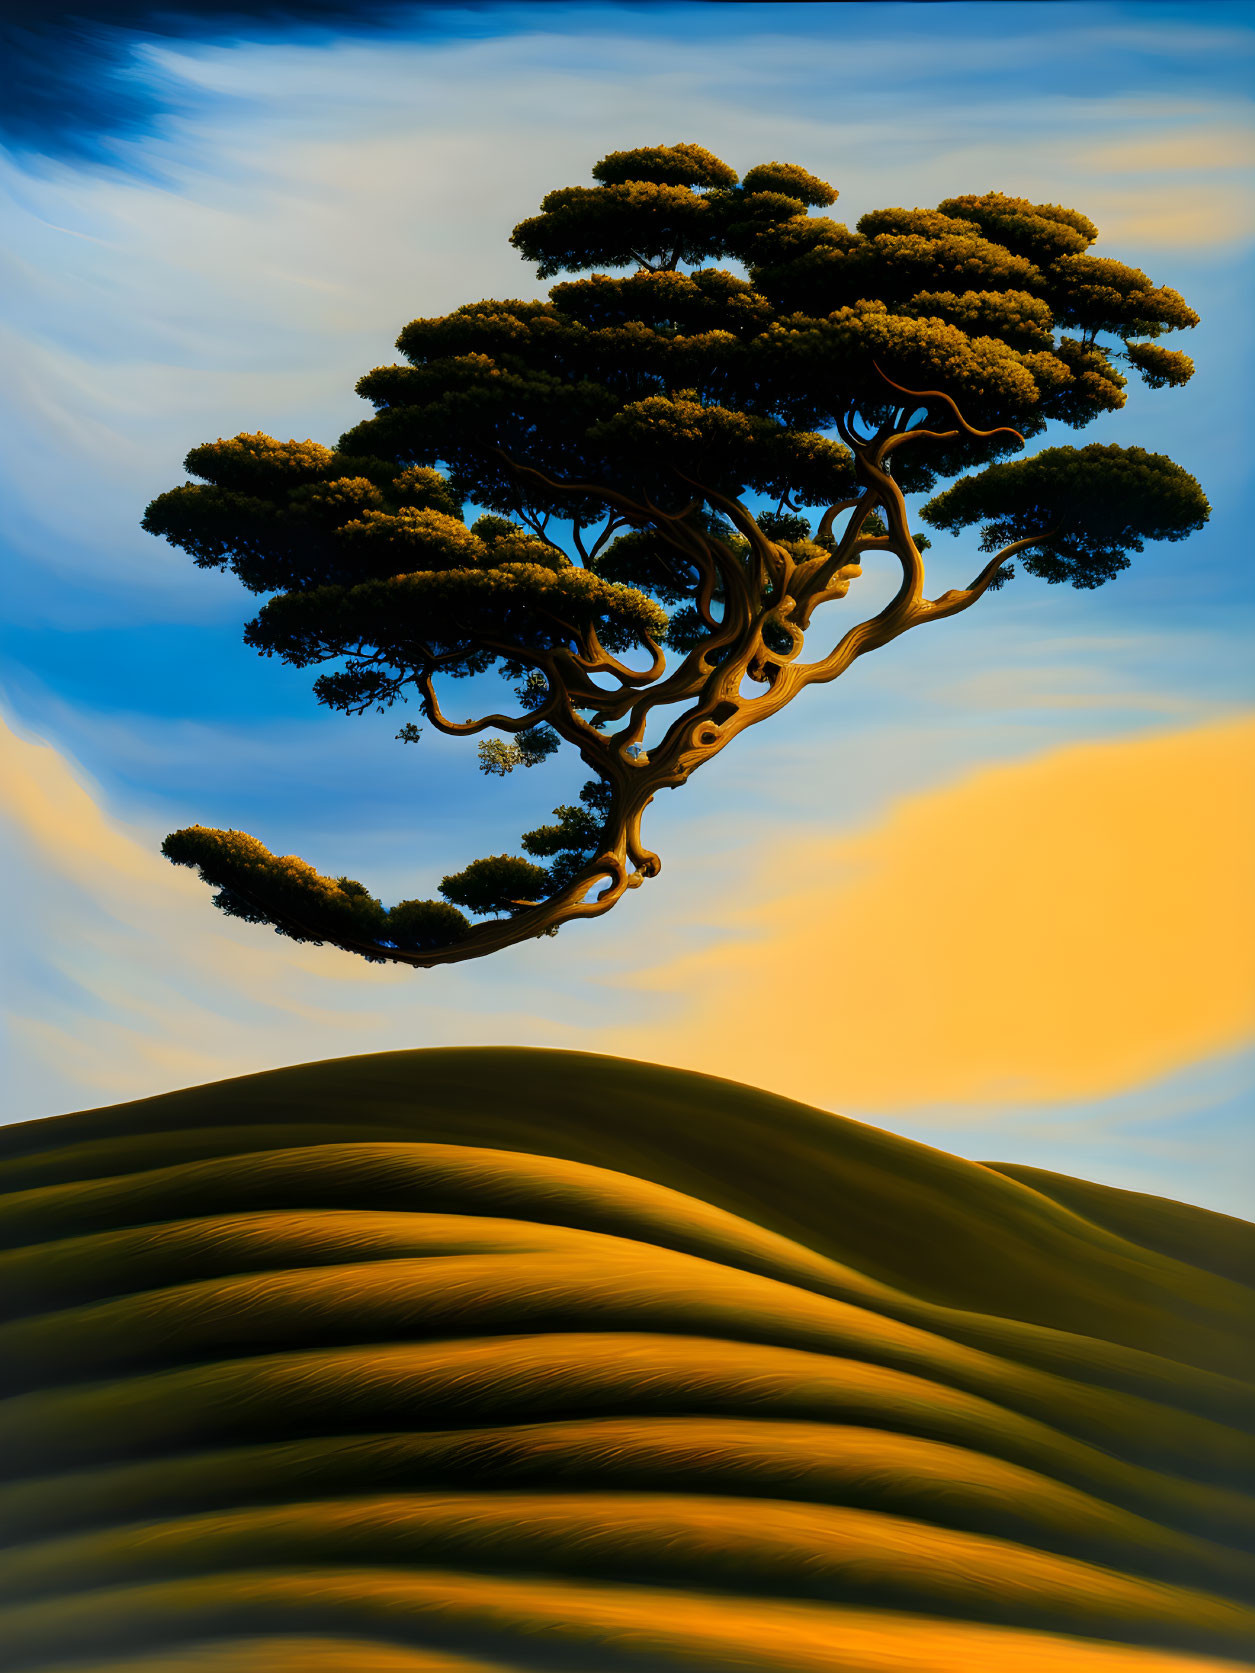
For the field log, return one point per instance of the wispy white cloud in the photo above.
(123, 981)
(1187, 149)
(1053, 685)
(1170, 38)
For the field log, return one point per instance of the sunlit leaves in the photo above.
(336, 502)
(1040, 232)
(426, 490)
(408, 539)
(706, 299)
(500, 756)
(1159, 366)
(1013, 316)
(665, 165)
(298, 901)
(1098, 294)
(848, 346)
(789, 181)
(254, 461)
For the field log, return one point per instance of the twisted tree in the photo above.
(679, 468)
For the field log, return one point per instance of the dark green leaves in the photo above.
(1102, 501)
(295, 900)
(719, 447)
(643, 559)
(408, 617)
(578, 829)
(277, 889)
(425, 924)
(635, 224)
(705, 300)
(498, 883)
(310, 516)
(216, 527)
(569, 844)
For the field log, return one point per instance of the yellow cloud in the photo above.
(121, 876)
(1200, 213)
(1068, 927)
(61, 821)
(1202, 149)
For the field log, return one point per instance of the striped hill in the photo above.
(517, 1361)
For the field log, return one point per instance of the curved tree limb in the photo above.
(962, 598)
(918, 395)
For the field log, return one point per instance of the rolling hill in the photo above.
(494, 1360)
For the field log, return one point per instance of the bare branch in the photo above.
(613, 524)
(962, 598)
(600, 661)
(919, 395)
(824, 531)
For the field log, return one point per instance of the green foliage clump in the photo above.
(288, 894)
(425, 924)
(1160, 366)
(497, 756)
(1102, 500)
(299, 902)
(573, 841)
(664, 165)
(498, 883)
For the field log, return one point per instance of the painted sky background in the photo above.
(992, 889)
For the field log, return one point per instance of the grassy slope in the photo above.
(448, 1360)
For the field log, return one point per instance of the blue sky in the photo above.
(229, 223)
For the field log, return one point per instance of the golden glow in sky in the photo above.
(1065, 927)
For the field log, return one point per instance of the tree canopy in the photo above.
(677, 466)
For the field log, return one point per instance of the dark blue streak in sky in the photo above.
(69, 83)
(68, 86)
